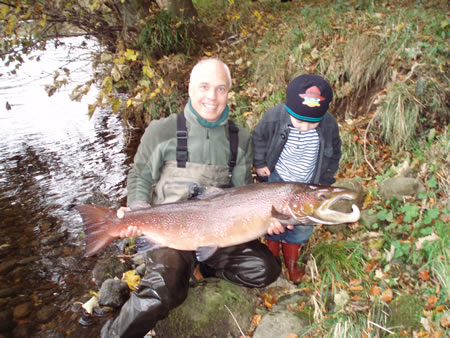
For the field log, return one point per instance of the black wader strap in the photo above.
(234, 142)
(182, 149)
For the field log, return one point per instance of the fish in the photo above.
(221, 218)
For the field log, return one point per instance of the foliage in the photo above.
(164, 34)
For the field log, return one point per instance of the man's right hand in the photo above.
(131, 231)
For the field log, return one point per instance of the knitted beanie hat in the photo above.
(308, 97)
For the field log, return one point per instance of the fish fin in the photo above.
(204, 252)
(279, 216)
(95, 221)
(144, 244)
(206, 192)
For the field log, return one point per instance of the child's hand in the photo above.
(276, 228)
(263, 171)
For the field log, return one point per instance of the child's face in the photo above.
(303, 126)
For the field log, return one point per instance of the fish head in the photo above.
(311, 204)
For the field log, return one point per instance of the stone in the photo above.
(406, 311)
(209, 309)
(279, 324)
(400, 187)
(6, 321)
(45, 314)
(113, 293)
(23, 310)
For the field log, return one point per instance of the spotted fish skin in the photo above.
(228, 217)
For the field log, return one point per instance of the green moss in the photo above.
(204, 314)
(406, 311)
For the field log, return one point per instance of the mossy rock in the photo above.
(204, 313)
(406, 311)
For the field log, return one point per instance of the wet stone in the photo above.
(28, 260)
(9, 292)
(6, 321)
(23, 310)
(113, 293)
(23, 330)
(45, 314)
(7, 266)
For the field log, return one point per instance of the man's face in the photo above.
(303, 126)
(209, 91)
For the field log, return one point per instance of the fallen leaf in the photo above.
(256, 319)
(132, 279)
(375, 290)
(424, 275)
(387, 295)
(445, 321)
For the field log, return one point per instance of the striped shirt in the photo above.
(299, 156)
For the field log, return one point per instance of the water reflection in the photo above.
(51, 158)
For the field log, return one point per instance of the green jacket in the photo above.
(205, 146)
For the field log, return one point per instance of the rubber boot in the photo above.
(291, 253)
(274, 247)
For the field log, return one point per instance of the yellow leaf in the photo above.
(132, 279)
(116, 105)
(208, 53)
(131, 55)
(257, 15)
(129, 103)
(399, 27)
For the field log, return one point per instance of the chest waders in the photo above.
(166, 282)
(180, 180)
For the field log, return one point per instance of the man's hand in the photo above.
(131, 231)
(263, 172)
(276, 228)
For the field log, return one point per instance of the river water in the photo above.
(52, 157)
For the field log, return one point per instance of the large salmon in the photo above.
(229, 217)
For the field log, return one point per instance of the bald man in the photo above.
(199, 147)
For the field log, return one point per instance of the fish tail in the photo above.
(95, 222)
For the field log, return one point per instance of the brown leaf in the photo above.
(387, 295)
(445, 321)
(424, 275)
(256, 319)
(375, 290)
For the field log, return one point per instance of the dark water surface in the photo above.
(52, 157)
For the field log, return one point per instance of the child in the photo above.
(298, 142)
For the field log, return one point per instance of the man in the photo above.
(178, 154)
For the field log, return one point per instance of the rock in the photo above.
(23, 330)
(406, 311)
(113, 293)
(23, 310)
(367, 220)
(7, 266)
(281, 323)
(205, 313)
(109, 267)
(400, 187)
(6, 321)
(45, 314)
(9, 292)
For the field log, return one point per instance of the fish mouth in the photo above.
(325, 215)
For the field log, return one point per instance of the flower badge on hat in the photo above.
(312, 97)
